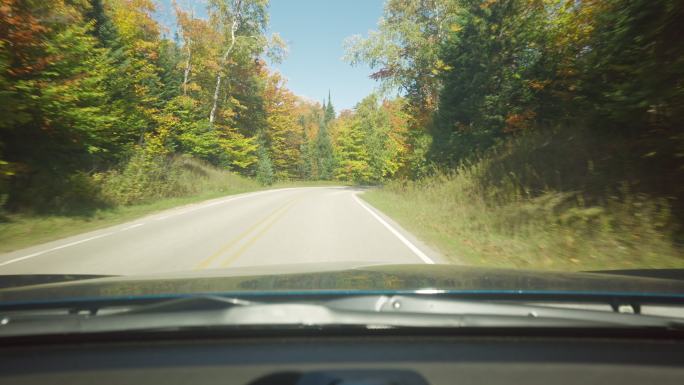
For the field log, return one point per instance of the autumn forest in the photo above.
(547, 124)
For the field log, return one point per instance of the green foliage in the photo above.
(352, 155)
(494, 56)
(283, 134)
(368, 147)
(97, 105)
(75, 193)
(305, 165)
(264, 172)
(90, 85)
(404, 50)
(169, 75)
(324, 153)
(557, 123)
(219, 145)
(417, 164)
(487, 71)
(147, 178)
(143, 178)
(329, 111)
(55, 122)
(631, 78)
(612, 64)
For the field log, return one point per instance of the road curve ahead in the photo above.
(274, 227)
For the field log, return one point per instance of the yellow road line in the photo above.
(256, 236)
(207, 261)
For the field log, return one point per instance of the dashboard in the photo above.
(347, 359)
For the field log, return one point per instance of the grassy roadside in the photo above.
(471, 233)
(543, 201)
(193, 182)
(21, 230)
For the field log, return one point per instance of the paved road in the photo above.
(275, 227)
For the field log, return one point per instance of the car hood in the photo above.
(342, 277)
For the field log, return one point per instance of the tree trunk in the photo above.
(212, 115)
(224, 59)
(186, 73)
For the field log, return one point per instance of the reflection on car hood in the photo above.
(343, 277)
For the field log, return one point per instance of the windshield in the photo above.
(150, 147)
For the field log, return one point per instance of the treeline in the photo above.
(97, 99)
(551, 129)
(597, 86)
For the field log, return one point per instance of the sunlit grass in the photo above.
(482, 214)
(469, 231)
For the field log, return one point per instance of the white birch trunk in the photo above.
(224, 59)
(186, 73)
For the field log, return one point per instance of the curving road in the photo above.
(274, 227)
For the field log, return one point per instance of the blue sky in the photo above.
(315, 31)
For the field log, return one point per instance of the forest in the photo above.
(97, 101)
(516, 119)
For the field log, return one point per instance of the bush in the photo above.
(142, 178)
(146, 178)
(45, 192)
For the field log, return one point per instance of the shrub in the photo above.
(146, 178)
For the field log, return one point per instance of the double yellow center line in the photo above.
(266, 222)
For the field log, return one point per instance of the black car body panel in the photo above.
(350, 277)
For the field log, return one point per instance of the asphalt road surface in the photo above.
(274, 227)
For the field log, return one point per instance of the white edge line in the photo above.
(397, 234)
(135, 225)
(53, 249)
(132, 226)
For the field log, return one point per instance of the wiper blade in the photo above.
(377, 311)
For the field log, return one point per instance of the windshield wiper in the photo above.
(370, 311)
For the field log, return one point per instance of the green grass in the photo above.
(485, 214)
(470, 232)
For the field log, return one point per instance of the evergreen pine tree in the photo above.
(329, 110)
(324, 151)
(264, 171)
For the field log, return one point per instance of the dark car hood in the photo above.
(343, 277)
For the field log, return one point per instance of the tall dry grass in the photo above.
(522, 207)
